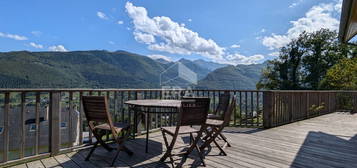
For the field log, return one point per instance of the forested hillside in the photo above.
(94, 69)
(103, 69)
(233, 77)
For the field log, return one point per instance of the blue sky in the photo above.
(230, 31)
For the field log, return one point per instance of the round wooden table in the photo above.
(144, 107)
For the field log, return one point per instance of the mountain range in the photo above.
(119, 69)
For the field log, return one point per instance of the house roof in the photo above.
(348, 22)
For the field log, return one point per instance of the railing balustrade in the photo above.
(283, 107)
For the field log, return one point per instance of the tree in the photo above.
(304, 62)
(342, 75)
(283, 73)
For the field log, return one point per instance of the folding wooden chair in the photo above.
(192, 112)
(215, 128)
(222, 106)
(100, 121)
(218, 113)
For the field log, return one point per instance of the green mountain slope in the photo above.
(233, 77)
(103, 69)
(95, 69)
(211, 66)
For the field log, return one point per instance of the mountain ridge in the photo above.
(92, 69)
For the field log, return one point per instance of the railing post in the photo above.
(354, 100)
(6, 127)
(55, 108)
(267, 108)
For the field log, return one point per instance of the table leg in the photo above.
(147, 132)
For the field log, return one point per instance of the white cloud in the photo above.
(157, 56)
(293, 5)
(338, 5)
(235, 46)
(12, 36)
(274, 54)
(161, 33)
(276, 41)
(263, 30)
(241, 59)
(190, 20)
(111, 42)
(59, 48)
(102, 15)
(32, 44)
(120, 22)
(173, 37)
(319, 16)
(144, 37)
(296, 3)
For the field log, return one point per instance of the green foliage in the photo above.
(305, 61)
(315, 109)
(342, 75)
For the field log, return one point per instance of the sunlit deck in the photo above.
(326, 141)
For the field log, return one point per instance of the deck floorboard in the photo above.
(326, 141)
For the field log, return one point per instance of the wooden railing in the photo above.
(283, 107)
(36, 123)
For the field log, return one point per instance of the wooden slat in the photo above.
(235, 110)
(20, 166)
(37, 114)
(257, 108)
(35, 164)
(90, 132)
(79, 160)
(55, 107)
(252, 107)
(70, 119)
(240, 108)
(65, 161)
(246, 108)
(122, 107)
(116, 104)
(129, 113)
(23, 126)
(80, 119)
(6, 127)
(51, 163)
(268, 109)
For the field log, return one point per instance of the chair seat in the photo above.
(182, 130)
(117, 126)
(212, 122)
(214, 116)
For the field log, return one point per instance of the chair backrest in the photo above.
(194, 111)
(228, 113)
(222, 104)
(96, 109)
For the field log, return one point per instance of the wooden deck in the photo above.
(325, 141)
